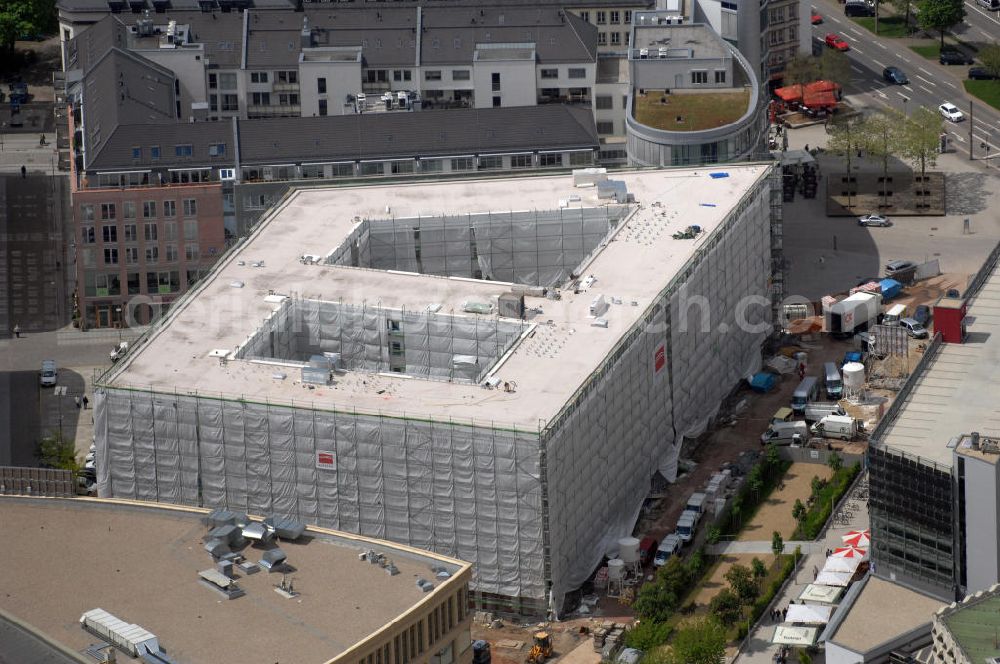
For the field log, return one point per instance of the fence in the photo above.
(50, 482)
(820, 457)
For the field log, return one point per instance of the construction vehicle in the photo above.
(542, 649)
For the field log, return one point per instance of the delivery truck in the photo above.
(836, 426)
(852, 314)
(820, 409)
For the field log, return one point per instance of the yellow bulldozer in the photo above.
(541, 650)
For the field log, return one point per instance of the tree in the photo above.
(845, 140)
(699, 641)
(922, 138)
(54, 451)
(834, 66)
(742, 583)
(726, 606)
(835, 462)
(772, 459)
(759, 570)
(24, 17)
(817, 485)
(658, 600)
(882, 139)
(798, 510)
(777, 543)
(989, 55)
(904, 7)
(646, 635)
(802, 69)
(940, 15)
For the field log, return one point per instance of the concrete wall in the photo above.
(675, 73)
(188, 65)
(342, 79)
(981, 544)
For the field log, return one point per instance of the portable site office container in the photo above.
(696, 503)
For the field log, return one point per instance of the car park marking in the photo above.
(855, 33)
(879, 64)
(858, 50)
(957, 137)
(882, 45)
(858, 69)
(926, 89)
(881, 94)
(926, 72)
(903, 96)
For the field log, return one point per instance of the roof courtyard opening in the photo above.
(532, 250)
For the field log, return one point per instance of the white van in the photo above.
(686, 525)
(785, 433)
(836, 426)
(48, 375)
(820, 409)
(696, 503)
(895, 314)
(989, 4)
(670, 546)
(831, 379)
(808, 390)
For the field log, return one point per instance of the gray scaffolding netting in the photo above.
(372, 338)
(468, 491)
(630, 420)
(537, 248)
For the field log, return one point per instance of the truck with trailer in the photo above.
(853, 314)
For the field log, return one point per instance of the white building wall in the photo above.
(981, 546)
(342, 79)
(517, 83)
(188, 65)
(838, 654)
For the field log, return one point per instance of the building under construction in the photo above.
(493, 370)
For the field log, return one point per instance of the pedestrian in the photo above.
(17, 331)
(807, 147)
(24, 172)
(784, 614)
(85, 401)
(815, 573)
(77, 399)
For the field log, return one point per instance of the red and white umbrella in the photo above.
(849, 552)
(858, 538)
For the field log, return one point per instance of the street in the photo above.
(931, 83)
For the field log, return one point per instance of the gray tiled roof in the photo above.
(220, 32)
(423, 133)
(122, 88)
(192, 5)
(89, 46)
(117, 154)
(353, 137)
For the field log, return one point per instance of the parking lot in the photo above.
(831, 254)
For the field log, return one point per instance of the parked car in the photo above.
(894, 75)
(895, 267)
(950, 112)
(816, 19)
(982, 74)
(954, 58)
(48, 376)
(837, 42)
(922, 314)
(874, 220)
(913, 328)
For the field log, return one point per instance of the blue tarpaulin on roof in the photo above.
(762, 382)
(718, 174)
(890, 288)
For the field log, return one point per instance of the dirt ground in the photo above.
(776, 512)
(717, 581)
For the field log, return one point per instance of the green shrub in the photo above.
(647, 635)
(818, 514)
(726, 606)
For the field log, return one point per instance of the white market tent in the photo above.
(840, 579)
(847, 565)
(794, 636)
(824, 594)
(808, 614)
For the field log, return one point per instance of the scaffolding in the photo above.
(530, 247)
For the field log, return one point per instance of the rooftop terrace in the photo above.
(682, 110)
(141, 563)
(634, 260)
(956, 392)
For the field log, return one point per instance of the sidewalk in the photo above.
(735, 548)
(758, 649)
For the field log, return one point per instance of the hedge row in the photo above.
(822, 505)
(767, 596)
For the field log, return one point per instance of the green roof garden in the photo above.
(975, 627)
(690, 110)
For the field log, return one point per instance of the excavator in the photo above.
(541, 650)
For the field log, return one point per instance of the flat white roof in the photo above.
(547, 367)
(956, 393)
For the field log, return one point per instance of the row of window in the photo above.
(185, 150)
(130, 232)
(130, 255)
(616, 38)
(409, 644)
(100, 284)
(778, 36)
(701, 77)
(109, 211)
(614, 17)
(227, 81)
